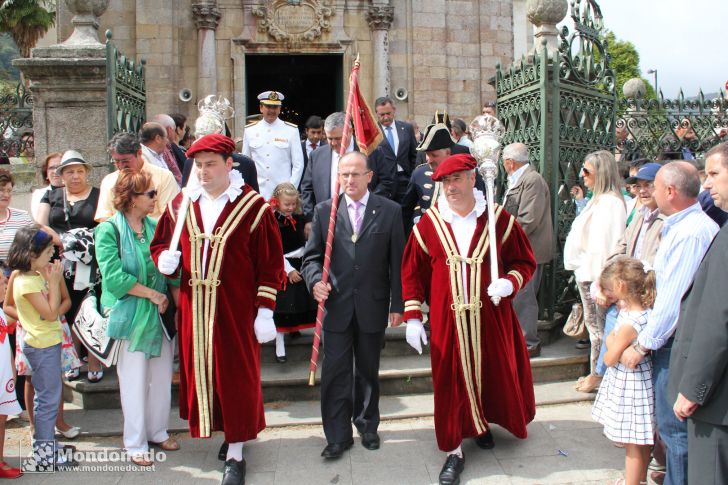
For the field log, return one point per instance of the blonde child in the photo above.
(295, 309)
(38, 298)
(8, 402)
(625, 402)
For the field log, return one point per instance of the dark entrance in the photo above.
(312, 84)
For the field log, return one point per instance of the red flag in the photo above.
(366, 128)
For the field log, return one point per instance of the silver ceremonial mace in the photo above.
(487, 131)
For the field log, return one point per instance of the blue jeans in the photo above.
(672, 431)
(46, 365)
(609, 323)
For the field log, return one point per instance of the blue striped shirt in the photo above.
(686, 237)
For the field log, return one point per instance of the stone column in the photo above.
(68, 82)
(206, 16)
(380, 20)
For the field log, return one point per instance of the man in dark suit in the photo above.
(315, 137)
(527, 199)
(395, 156)
(364, 292)
(699, 361)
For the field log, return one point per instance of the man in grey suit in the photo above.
(527, 199)
(320, 175)
(699, 362)
(364, 292)
(395, 157)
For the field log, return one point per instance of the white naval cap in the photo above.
(272, 98)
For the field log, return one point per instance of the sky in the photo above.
(685, 40)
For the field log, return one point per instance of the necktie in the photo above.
(390, 138)
(358, 216)
(313, 146)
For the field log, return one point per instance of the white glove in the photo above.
(416, 335)
(168, 261)
(265, 329)
(501, 287)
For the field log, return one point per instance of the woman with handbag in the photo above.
(69, 210)
(136, 293)
(593, 236)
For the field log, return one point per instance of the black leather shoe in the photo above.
(485, 441)
(450, 473)
(370, 441)
(234, 473)
(281, 359)
(335, 450)
(222, 454)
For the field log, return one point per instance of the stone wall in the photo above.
(443, 52)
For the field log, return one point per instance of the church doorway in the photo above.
(312, 84)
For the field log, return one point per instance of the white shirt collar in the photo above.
(448, 214)
(364, 200)
(194, 190)
(515, 176)
(150, 151)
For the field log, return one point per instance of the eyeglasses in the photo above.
(6, 191)
(646, 186)
(585, 171)
(151, 193)
(354, 175)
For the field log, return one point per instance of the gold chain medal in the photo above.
(354, 237)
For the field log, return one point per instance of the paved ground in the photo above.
(564, 446)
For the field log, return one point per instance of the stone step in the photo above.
(109, 422)
(404, 374)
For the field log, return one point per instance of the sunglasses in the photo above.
(585, 171)
(151, 194)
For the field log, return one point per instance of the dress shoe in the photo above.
(234, 472)
(222, 453)
(370, 441)
(534, 351)
(335, 450)
(450, 473)
(281, 359)
(485, 441)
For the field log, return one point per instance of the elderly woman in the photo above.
(51, 181)
(593, 237)
(11, 219)
(136, 294)
(69, 210)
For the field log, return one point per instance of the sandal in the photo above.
(6, 471)
(73, 374)
(95, 376)
(170, 444)
(141, 460)
(589, 384)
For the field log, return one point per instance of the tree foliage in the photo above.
(27, 21)
(625, 62)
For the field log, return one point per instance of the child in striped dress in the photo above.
(625, 402)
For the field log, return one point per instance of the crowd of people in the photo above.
(158, 250)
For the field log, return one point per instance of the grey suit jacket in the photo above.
(699, 358)
(364, 275)
(650, 241)
(316, 181)
(530, 203)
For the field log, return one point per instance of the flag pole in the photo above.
(345, 140)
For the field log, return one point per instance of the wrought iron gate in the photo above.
(126, 91)
(562, 107)
(16, 123)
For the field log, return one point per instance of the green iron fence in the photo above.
(671, 129)
(16, 123)
(126, 91)
(562, 107)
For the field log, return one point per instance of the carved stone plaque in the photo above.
(294, 22)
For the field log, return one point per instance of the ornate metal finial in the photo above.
(214, 110)
(487, 132)
(85, 21)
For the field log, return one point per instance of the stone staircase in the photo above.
(403, 372)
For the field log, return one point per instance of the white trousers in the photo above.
(145, 386)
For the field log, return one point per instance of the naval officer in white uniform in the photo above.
(274, 145)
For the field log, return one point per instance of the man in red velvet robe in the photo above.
(480, 366)
(231, 268)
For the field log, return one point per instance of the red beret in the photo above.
(214, 143)
(454, 163)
